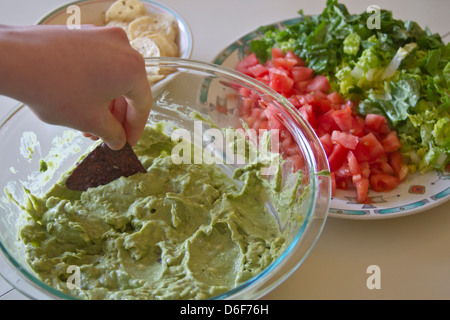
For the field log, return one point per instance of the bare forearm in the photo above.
(73, 78)
(10, 58)
(28, 65)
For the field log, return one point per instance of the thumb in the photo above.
(111, 132)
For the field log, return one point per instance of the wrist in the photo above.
(23, 62)
(10, 53)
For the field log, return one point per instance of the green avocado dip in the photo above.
(179, 231)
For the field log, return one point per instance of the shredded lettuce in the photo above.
(400, 70)
(352, 43)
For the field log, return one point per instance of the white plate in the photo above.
(92, 11)
(416, 194)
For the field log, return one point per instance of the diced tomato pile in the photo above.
(362, 152)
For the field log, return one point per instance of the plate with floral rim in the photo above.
(419, 192)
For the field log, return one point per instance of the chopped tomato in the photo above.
(244, 65)
(398, 165)
(324, 105)
(377, 122)
(277, 53)
(362, 187)
(308, 112)
(281, 82)
(297, 161)
(345, 139)
(327, 143)
(353, 164)
(291, 150)
(292, 56)
(258, 70)
(343, 119)
(327, 122)
(383, 182)
(301, 85)
(373, 145)
(286, 140)
(391, 142)
(335, 98)
(287, 64)
(319, 83)
(246, 107)
(275, 124)
(343, 183)
(357, 129)
(362, 152)
(337, 157)
(343, 171)
(385, 167)
(300, 74)
(365, 168)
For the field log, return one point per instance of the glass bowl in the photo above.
(195, 90)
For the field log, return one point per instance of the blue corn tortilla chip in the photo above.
(102, 166)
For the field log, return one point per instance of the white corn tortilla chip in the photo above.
(168, 49)
(146, 47)
(155, 23)
(125, 10)
(120, 24)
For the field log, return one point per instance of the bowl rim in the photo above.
(310, 221)
(181, 20)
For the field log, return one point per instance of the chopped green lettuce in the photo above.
(352, 43)
(400, 70)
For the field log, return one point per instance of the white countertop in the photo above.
(413, 252)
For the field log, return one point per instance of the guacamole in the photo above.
(178, 231)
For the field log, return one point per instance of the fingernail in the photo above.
(116, 145)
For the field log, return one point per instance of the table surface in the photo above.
(412, 252)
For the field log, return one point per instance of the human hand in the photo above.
(89, 79)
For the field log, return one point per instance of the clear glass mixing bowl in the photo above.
(214, 92)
